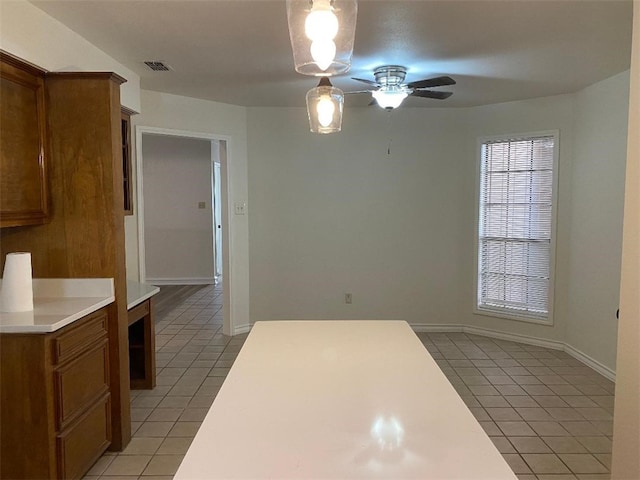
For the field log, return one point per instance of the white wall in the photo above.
(336, 214)
(549, 113)
(29, 33)
(178, 234)
(174, 112)
(626, 428)
(593, 128)
(596, 222)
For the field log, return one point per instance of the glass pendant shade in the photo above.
(391, 98)
(322, 33)
(324, 107)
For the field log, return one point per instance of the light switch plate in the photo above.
(202, 204)
(240, 208)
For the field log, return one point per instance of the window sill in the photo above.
(513, 316)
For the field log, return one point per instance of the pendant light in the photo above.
(322, 33)
(324, 107)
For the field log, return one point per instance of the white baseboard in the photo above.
(436, 328)
(526, 339)
(240, 329)
(181, 281)
(590, 362)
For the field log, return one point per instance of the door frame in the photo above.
(229, 321)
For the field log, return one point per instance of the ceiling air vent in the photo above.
(158, 66)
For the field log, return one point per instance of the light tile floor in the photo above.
(549, 415)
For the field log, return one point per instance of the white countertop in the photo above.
(339, 400)
(57, 302)
(139, 292)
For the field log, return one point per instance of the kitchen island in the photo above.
(339, 400)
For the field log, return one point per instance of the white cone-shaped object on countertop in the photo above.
(16, 294)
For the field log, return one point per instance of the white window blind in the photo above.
(515, 225)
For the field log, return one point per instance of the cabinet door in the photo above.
(127, 176)
(79, 383)
(23, 181)
(80, 445)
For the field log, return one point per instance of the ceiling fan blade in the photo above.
(370, 82)
(431, 94)
(432, 82)
(358, 91)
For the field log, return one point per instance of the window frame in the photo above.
(504, 312)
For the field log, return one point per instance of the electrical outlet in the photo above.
(347, 298)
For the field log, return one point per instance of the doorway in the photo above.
(181, 192)
(179, 220)
(217, 210)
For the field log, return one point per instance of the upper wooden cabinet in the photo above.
(23, 161)
(24, 152)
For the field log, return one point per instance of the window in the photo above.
(516, 226)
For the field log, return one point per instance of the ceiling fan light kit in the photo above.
(390, 90)
(322, 34)
(389, 98)
(324, 107)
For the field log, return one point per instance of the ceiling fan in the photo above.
(390, 90)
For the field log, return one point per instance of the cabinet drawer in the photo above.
(79, 446)
(79, 337)
(80, 382)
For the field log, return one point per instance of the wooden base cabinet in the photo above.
(142, 346)
(55, 400)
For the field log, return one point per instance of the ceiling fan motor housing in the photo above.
(388, 75)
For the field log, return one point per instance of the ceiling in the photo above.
(238, 51)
